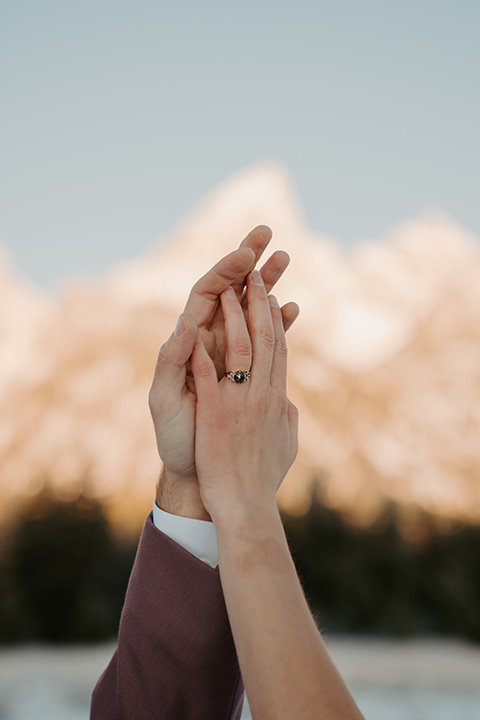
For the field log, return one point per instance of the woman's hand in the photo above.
(246, 434)
(245, 442)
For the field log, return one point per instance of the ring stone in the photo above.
(238, 376)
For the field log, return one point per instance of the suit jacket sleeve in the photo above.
(175, 659)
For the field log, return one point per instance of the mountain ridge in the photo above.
(384, 361)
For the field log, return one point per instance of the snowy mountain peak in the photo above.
(384, 362)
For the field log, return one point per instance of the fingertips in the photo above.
(274, 268)
(257, 239)
(230, 270)
(178, 348)
(256, 279)
(275, 309)
(290, 312)
(183, 338)
(179, 327)
(260, 319)
(245, 258)
(260, 327)
(171, 368)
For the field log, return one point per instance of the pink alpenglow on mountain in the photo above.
(384, 362)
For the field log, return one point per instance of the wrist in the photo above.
(250, 539)
(238, 516)
(178, 495)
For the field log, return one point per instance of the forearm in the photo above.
(284, 663)
(175, 656)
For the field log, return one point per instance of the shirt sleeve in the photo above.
(175, 657)
(196, 536)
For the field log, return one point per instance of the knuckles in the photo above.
(203, 369)
(281, 347)
(162, 358)
(271, 401)
(282, 403)
(241, 346)
(262, 403)
(266, 337)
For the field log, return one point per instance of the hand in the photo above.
(203, 303)
(172, 395)
(245, 434)
(245, 442)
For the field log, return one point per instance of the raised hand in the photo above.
(245, 433)
(203, 303)
(172, 396)
(245, 442)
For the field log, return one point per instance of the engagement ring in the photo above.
(238, 376)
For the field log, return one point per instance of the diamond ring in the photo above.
(238, 376)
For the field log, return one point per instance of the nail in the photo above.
(273, 301)
(230, 293)
(180, 327)
(256, 277)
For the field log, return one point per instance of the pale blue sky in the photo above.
(116, 117)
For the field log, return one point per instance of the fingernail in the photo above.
(230, 293)
(180, 327)
(256, 277)
(273, 301)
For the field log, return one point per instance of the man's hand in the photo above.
(172, 396)
(204, 301)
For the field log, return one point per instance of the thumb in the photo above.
(171, 370)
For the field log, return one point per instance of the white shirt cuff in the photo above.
(196, 536)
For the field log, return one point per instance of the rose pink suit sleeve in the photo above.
(175, 659)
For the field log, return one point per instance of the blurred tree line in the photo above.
(63, 573)
(376, 581)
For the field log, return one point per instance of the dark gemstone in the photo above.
(239, 377)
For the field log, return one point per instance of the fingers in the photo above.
(271, 271)
(257, 239)
(274, 268)
(232, 271)
(238, 346)
(292, 414)
(233, 268)
(204, 373)
(278, 377)
(260, 326)
(290, 312)
(170, 371)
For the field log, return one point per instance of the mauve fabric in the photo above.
(175, 658)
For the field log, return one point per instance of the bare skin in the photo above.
(246, 440)
(172, 397)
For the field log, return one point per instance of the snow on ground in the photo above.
(390, 679)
